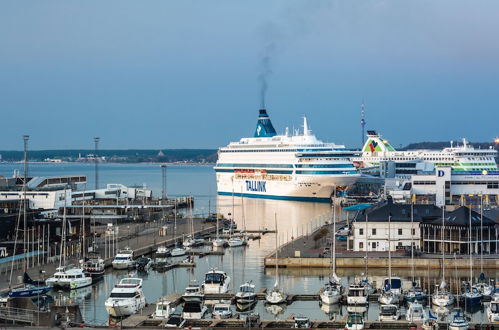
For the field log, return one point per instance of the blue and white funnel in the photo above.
(264, 126)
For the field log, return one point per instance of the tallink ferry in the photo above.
(294, 166)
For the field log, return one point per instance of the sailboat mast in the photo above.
(367, 246)
(25, 221)
(412, 241)
(481, 234)
(276, 284)
(389, 252)
(469, 240)
(442, 247)
(334, 234)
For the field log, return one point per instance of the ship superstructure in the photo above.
(295, 166)
(463, 159)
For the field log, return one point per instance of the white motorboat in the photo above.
(162, 252)
(69, 278)
(175, 321)
(126, 298)
(459, 322)
(193, 292)
(415, 312)
(216, 281)
(123, 259)
(222, 311)
(357, 295)
(143, 264)
(163, 310)
(354, 322)
(493, 311)
(194, 310)
(389, 312)
(94, 266)
(246, 294)
(302, 322)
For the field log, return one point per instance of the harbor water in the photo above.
(242, 263)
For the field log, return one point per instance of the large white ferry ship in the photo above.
(463, 159)
(294, 166)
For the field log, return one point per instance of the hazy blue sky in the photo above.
(175, 74)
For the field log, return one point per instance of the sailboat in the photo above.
(471, 295)
(331, 293)
(392, 285)
(65, 277)
(191, 240)
(442, 297)
(415, 293)
(276, 295)
(178, 250)
(235, 241)
(219, 242)
(30, 288)
(485, 288)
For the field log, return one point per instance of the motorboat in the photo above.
(193, 292)
(162, 252)
(354, 322)
(94, 266)
(389, 312)
(357, 295)
(236, 241)
(175, 321)
(216, 281)
(143, 264)
(459, 322)
(301, 322)
(126, 298)
(67, 278)
(246, 294)
(163, 310)
(394, 284)
(493, 311)
(123, 259)
(415, 312)
(222, 311)
(194, 310)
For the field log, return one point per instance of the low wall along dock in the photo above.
(353, 262)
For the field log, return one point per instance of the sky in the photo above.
(189, 74)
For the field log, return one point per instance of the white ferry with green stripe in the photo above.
(463, 159)
(294, 166)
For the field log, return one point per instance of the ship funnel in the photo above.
(264, 126)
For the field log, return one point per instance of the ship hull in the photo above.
(308, 188)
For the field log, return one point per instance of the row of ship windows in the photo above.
(278, 150)
(297, 172)
(287, 165)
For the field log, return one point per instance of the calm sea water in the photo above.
(242, 264)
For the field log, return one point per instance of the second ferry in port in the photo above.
(294, 166)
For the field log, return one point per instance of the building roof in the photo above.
(461, 217)
(398, 212)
